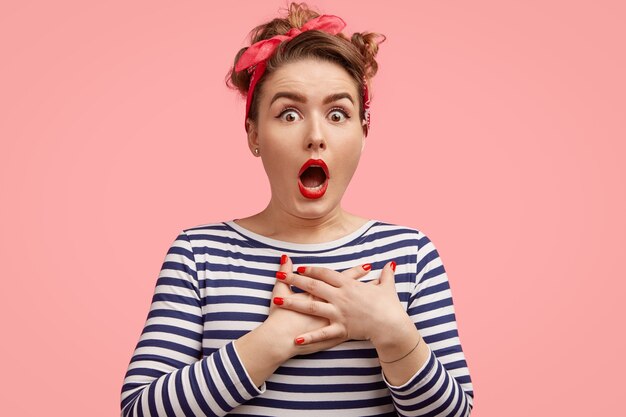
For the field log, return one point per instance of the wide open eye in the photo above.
(289, 115)
(338, 115)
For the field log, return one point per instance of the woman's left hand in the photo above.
(356, 310)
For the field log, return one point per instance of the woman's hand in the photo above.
(351, 309)
(288, 324)
(335, 308)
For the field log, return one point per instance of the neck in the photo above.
(280, 225)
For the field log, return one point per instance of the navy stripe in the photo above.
(152, 400)
(176, 266)
(334, 371)
(175, 282)
(233, 316)
(139, 408)
(438, 337)
(175, 298)
(435, 272)
(171, 330)
(340, 354)
(425, 308)
(447, 350)
(180, 393)
(221, 370)
(174, 314)
(208, 378)
(320, 405)
(232, 299)
(231, 283)
(224, 334)
(177, 250)
(434, 289)
(318, 388)
(167, 404)
(436, 321)
(216, 397)
(159, 359)
(197, 394)
(459, 401)
(232, 356)
(164, 344)
(143, 372)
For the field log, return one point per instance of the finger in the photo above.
(357, 272)
(307, 306)
(281, 289)
(312, 286)
(320, 273)
(332, 331)
(319, 346)
(387, 274)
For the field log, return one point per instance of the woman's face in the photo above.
(309, 135)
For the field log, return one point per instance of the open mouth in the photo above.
(313, 178)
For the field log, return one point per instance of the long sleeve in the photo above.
(167, 371)
(442, 387)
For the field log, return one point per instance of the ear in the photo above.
(364, 126)
(253, 136)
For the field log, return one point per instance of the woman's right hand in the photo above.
(288, 324)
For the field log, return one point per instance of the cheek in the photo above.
(349, 158)
(277, 161)
(271, 164)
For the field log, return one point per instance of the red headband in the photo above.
(254, 59)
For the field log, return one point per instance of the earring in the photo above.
(257, 152)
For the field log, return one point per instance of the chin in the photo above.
(307, 205)
(316, 208)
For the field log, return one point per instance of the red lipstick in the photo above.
(313, 178)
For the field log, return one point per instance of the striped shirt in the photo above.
(215, 285)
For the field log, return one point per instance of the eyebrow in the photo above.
(302, 99)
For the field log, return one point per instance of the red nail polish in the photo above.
(281, 275)
(299, 340)
(278, 301)
(301, 269)
(283, 259)
(393, 266)
(367, 267)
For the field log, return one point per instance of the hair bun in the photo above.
(367, 44)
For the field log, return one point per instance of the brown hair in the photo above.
(356, 55)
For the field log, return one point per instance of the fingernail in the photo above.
(283, 259)
(281, 275)
(301, 269)
(393, 266)
(367, 267)
(278, 301)
(299, 340)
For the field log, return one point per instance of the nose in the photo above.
(318, 143)
(315, 138)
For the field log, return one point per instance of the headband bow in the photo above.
(254, 59)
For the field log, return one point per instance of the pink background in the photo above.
(498, 128)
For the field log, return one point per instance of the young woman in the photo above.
(303, 308)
